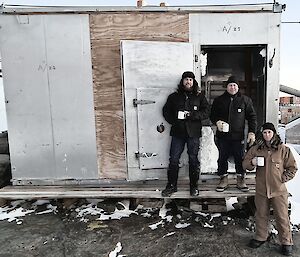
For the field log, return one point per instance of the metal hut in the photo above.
(84, 86)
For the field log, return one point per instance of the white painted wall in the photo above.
(3, 121)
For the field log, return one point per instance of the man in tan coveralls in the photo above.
(275, 165)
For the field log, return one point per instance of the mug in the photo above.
(260, 161)
(225, 127)
(181, 115)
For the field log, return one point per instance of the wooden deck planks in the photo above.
(22, 192)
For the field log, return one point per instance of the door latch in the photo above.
(142, 102)
(144, 155)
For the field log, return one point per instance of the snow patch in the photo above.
(11, 214)
(202, 213)
(115, 252)
(230, 202)
(155, 225)
(215, 215)
(169, 234)
(294, 190)
(182, 225)
(118, 214)
(206, 225)
(163, 210)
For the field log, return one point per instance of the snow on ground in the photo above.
(182, 225)
(92, 209)
(294, 190)
(230, 202)
(18, 209)
(169, 234)
(115, 252)
(12, 214)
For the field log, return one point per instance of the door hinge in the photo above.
(196, 58)
(144, 155)
(142, 102)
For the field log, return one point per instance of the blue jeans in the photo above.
(177, 147)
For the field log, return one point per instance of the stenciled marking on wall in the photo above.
(230, 28)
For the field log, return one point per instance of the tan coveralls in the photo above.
(280, 166)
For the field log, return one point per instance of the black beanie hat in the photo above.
(188, 74)
(268, 125)
(232, 79)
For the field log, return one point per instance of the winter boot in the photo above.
(194, 177)
(169, 190)
(241, 185)
(223, 184)
(287, 250)
(172, 181)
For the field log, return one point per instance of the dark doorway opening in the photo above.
(247, 63)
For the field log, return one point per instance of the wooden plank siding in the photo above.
(107, 29)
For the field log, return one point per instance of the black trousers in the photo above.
(227, 148)
(177, 147)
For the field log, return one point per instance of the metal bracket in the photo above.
(278, 8)
(142, 102)
(144, 155)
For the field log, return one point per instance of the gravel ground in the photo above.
(179, 232)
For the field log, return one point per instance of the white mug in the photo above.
(181, 115)
(260, 161)
(225, 127)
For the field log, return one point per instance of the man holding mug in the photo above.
(185, 110)
(230, 112)
(275, 165)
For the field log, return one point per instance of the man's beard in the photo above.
(189, 89)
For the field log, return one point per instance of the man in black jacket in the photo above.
(229, 112)
(184, 110)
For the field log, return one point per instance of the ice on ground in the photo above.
(294, 190)
(11, 214)
(206, 225)
(91, 209)
(169, 234)
(155, 225)
(295, 210)
(118, 214)
(50, 209)
(215, 215)
(163, 210)
(40, 202)
(202, 213)
(115, 252)
(230, 202)
(182, 225)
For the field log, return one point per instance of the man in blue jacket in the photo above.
(230, 112)
(184, 110)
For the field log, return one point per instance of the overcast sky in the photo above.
(290, 33)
